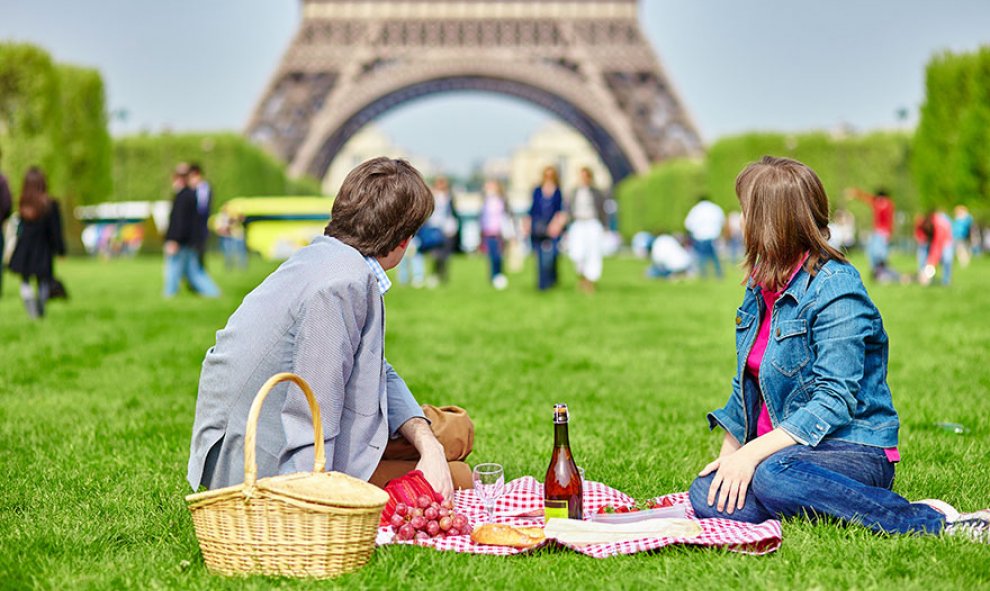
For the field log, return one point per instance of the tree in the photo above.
(30, 115)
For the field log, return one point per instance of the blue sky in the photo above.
(761, 64)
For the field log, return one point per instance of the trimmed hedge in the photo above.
(952, 141)
(86, 145)
(235, 167)
(30, 116)
(661, 198)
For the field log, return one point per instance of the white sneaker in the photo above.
(950, 512)
(977, 530)
(500, 282)
(984, 515)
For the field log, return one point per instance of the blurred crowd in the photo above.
(578, 223)
(939, 241)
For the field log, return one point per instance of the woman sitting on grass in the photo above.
(810, 426)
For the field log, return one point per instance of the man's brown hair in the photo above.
(785, 214)
(381, 203)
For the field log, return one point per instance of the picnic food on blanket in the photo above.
(522, 505)
(583, 533)
(415, 511)
(678, 511)
(494, 534)
(651, 504)
(407, 489)
(428, 519)
(562, 486)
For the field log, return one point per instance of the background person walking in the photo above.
(495, 219)
(545, 223)
(445, 223)
(181, 254)
(6, 208)
(204, 204)
(586, 236)
(883, 227)
(39, 240)
(230, 231)
(933, 233)
(962, 234)
(704, 223)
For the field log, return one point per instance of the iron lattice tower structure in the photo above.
(587, 61)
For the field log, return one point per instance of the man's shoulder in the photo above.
(325, 269)
(334, 263)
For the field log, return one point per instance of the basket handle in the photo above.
(250, 463)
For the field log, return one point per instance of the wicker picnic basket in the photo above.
(308, 524)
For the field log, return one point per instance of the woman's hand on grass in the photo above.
(733, 473)
(736, 465)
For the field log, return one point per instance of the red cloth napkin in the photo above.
(407, 489)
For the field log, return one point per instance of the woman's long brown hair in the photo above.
(34, 202)
(785, 215)
(556, 176)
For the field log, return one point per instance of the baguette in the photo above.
(493, 534)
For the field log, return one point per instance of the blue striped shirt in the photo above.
(384, 283)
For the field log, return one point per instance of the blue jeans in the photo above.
(878, 251)
(704, 251)
(412, 266)
(234, 252)
(847, 481)
(493, 245)
(948, 253)
(185, 263)
(546, 262)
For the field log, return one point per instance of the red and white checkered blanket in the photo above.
(522, 505)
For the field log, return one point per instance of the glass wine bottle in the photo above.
(562, 486)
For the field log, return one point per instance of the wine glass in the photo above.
(489, 485)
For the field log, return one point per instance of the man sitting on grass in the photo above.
(321, 315)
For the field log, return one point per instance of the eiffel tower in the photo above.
(586, 61)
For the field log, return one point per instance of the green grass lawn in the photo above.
(96, 406)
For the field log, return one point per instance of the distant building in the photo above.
(498, 168)
(369, 143)
(556, 144)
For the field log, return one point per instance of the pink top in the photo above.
(492, 212)
(763, 424)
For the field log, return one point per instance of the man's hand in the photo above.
(171, 247)
(433, 459)
(434, 467)
(734, 473)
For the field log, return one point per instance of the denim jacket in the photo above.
(824, 374)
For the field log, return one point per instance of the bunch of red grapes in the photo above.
(428, 519)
